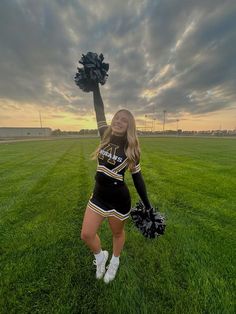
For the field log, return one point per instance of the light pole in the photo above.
(40, 119)
(145, 122)
(164, 120)
(177, 120)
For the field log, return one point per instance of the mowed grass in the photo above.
(47, 268)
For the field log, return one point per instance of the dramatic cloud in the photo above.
(169, 55)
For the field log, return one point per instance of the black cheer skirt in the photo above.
(111, 199)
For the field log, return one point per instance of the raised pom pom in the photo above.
(148, 221)
(94, 71)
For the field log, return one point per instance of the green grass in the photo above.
(47, 268)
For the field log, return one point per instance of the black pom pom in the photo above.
(94, 71)
(148, 221)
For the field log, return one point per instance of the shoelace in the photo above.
(112, 268)
(99, 266)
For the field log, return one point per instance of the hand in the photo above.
(94, 86)
(148, 207)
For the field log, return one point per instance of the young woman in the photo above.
(118, 151)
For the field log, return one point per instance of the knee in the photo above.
(118, 234)
(86, 235)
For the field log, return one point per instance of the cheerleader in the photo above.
(118, 151)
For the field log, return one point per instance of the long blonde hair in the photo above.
(132, 148)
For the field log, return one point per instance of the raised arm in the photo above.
(99, 110)
(140, 185)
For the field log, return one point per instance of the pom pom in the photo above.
(94, 71)
(149, 222)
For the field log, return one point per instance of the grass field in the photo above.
(47, 268)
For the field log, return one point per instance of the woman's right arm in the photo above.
(99, 110)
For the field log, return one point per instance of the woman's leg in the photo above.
(91, 224)
(117, 228)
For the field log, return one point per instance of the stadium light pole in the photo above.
(177, 120)
(40, 119)
(153, 118)
(145, 122)
(164, 120)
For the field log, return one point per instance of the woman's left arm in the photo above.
(140, 186)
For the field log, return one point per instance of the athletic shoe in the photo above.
(101, 266)
(111, 272)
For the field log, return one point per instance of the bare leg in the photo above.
(91, 224)
(117, 227)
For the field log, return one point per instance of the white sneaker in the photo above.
(111, 272)
(101, 266)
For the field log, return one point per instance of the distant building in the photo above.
(24, 132)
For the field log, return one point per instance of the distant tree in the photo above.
(56, 132)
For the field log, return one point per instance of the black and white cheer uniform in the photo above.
(111, 196)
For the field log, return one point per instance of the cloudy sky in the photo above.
(173, 55)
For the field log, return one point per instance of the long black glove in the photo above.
(99, 110)
(141, 188)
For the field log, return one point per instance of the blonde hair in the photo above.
(132, 148)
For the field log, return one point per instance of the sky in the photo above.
(172, 55)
